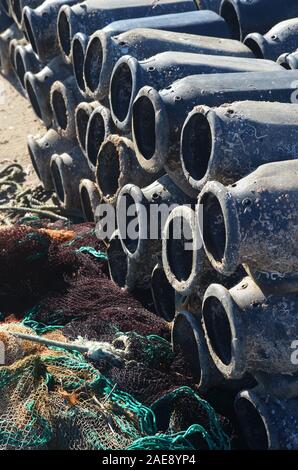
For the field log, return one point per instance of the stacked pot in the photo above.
(181, 113)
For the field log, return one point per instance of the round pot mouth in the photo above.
(132, 197)
(253, 416)
(124, 86)
(82, 115)
(220, 231)
(257, 44)
(117, 261)
(32, 150)
(28, 26)
(187, 338)
(97, 130)
(30, 83)
(78, 48)
(150, 130)
(108, 171)
(221, 320)
(86, 189)
(57, 178)
(230, 13)
(64, 31)
(181, 250)
(59, 104)
(163, 294)
(196, 146)
(93, 64)
(20, 66)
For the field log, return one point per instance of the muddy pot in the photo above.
(41, 150)
(38, 87)
(254, 221)
(82, 114)
(141, 214)
(259, 16)
(40, 26)
(247, 331)
(130, 75)
(67, 170)
(267, 423)
(99, 127)
(158, 117)
(65, 97)
(90, 199)
(92, 15)
(117, 166)
(25, 61)
(226, 143)
(280, 38)
(103, 51)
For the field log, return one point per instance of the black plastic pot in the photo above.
(244, 17)
(249, 332)
(99, 127)
(82, 114)
(130, 75)
(163, 294)
(17, 6)
(137, 211)
(65, 97)
(289, 61)
(253, 222)
(104, 50)
(40, 26)
(5, 39)
(92, 15)
(158, 117)
(38, 87)
(226, 143)
(117, 166)
(90, 199)
(282, 37)
(5, 20)
(78, 50)
(41, 150)
(68, 169)
(188, 339)
(25, 60)
(267, 423)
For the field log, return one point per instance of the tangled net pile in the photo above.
(136, 395)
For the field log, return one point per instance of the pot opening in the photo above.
(253, 426)
(163, 295)
(93, 64)
(144, 126)
(33, 98)
(117, 260)
(29, 32)
(179, 248)
(185, 342)
(131, 237)
(86, 204)
(214, 229)
(108, 170)
(78, 55)
(229, 14)
(57, 181)
(82, 118)
(254, 47)
(64, 33)
(60, 109)
(96, 135)
(20, 67)
(121, 91)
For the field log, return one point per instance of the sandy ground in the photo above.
(17, 120)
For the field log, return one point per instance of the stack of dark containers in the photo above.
(144, 107)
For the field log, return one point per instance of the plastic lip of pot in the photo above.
(59, 107)
(132, 197)
(221, 235)
(222, 326)
(163, 294)
(150, 130)
(181, 263)
(27, 18)
(123, 90)
(117, 261)
(252, 414)
(29, 80)
(95, 136)
(57, 181)
(87, 207)
(82, 115)
(196, 147)
(93, 64)
(230, 14)
(78, 47)
(257, 44)
(187, 337)
(31, 146)
(108, 170)
(64, 31)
